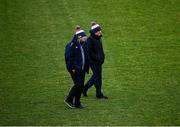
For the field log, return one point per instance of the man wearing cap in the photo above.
(77, 65)
(96, 59)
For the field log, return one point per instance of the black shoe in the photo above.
(102, 97)
(69, 104)
(80, 106)
(85, 93)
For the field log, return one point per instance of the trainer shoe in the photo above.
(69, 104)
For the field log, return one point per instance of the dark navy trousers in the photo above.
(75, 92)
(96, 79)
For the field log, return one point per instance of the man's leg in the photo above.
(98, 83)
(98, 79)
(90, 83)
(80, 80)
(73, 91)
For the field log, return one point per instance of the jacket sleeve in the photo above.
(70, 62)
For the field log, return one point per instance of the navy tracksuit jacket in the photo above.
(75, 56)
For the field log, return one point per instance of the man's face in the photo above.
(99, 33)
(83, 39)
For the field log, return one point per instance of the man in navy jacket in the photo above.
(77, 65)
(96, 59)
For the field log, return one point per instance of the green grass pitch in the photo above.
(141, 74)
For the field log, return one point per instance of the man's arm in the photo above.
(90, 50)
(70, 57)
